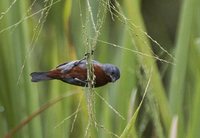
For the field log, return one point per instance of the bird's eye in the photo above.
(112, 73)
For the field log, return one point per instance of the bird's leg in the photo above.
(86, 54)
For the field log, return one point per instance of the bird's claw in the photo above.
(88, 53)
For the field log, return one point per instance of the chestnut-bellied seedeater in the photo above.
(75, 73)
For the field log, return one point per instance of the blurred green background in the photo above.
(156, 45)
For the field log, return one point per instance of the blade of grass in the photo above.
(193, 82)
(11, 133)
(177, 83)
(174, 128)
(131, 123)
(182, 45)
(143, 45)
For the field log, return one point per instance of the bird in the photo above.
(75, 73)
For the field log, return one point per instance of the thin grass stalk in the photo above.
(90, 31)
(36, 113)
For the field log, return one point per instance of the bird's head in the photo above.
(112, 71)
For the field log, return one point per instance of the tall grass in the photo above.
(157, 94)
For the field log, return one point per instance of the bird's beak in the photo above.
(113, 79)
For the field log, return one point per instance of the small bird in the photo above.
(75, 73)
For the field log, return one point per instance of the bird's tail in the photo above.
(39, 76)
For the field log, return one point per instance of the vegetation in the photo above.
(154, 43)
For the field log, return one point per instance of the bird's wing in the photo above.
(62, 64)
(65, 67)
